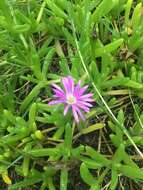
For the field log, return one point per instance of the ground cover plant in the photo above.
(71, 94)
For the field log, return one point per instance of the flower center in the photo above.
(71, 99)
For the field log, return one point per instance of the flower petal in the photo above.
(85, 103)
(86, 96)
(82, 103)
(77, 86)
(66, 85)
(59, 94)
(75, 113)
(80, 113)
(79, 91)
(66, 109)
(53, 102)
(71, 83)
(85, 108)
(57, 87)
(87, 100)
(83, 89)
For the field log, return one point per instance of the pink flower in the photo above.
(72, 97)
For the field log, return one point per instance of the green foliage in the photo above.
(96, 41)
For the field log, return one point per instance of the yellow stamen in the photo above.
(71, 99)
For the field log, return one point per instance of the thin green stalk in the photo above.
(14, 162)
(102, 99)
(140, 122)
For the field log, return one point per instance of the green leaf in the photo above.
(92, 128)
(133, 84)
(131, 172)
(115, 82)
(108, 48)
(43, 152)
(95, 186)
(127, 11)
(21, 28)
(103, 8)
(136, 17)
(50, 184)
(118, 155)
(115, 140)
(25, 165)
(86, 175)
(34, 92)
(101, 159)
(6, 11)
(47, 61)
(32, 115)
(26, 182)
(121, 116)
(56, 10)
(128, 160)
(91, 164)
(114, 179)
(68, 141)
(63, 180)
